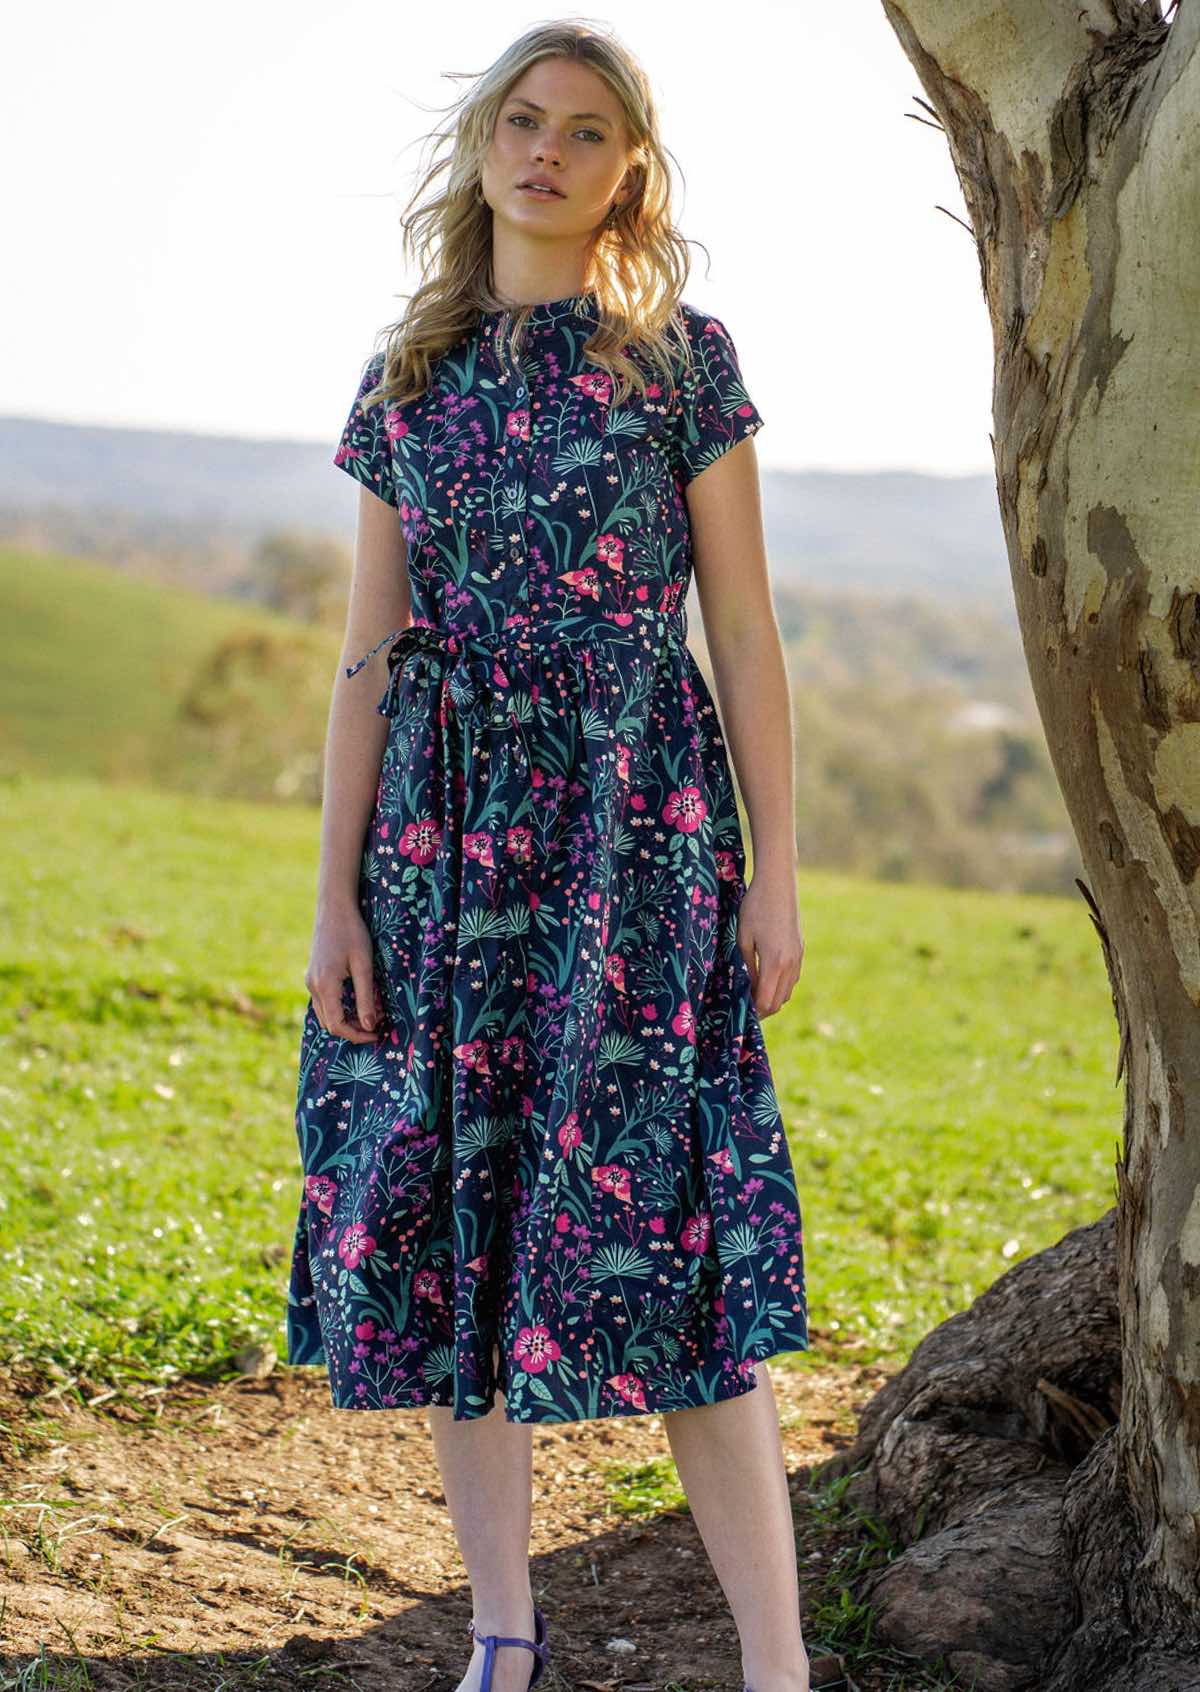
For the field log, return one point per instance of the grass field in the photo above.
(945, 1070)
(96, 665)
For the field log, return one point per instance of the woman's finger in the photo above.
(362, 971)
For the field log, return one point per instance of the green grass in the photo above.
(99, 671)
(645, 1489)
(151, 973)
(944, 1066)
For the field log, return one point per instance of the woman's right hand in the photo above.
(342, 949)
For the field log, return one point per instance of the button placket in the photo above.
(522, 398)
(521, 450)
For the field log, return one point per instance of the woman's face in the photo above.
(559, 121)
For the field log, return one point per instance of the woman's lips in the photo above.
(541, 193)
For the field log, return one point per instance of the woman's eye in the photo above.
(520, 117)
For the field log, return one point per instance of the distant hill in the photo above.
(73, 487)
(895, 531)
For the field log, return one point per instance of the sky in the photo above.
(207, 203)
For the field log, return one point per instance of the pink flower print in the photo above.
(613, 1178)
(622, 760)
(322, 1190)
(395, 425)
(650, 1012)
(585, 582)
(355, 1244)
(518, 843)
(427, 1285)
(614, 970)
(479, 1264)
(479, 847)
(685, 808)
(365, 1330)
(696, 1231)
(596, 384)
(474, 1054)
(517, 423)
(511, 1052)
(630, 1388)
(726, 865)
(562, 1222)
(657, 1225)
(570, 1134)
(535, 1349)
(722, 1160)
(684, 1021)
(637, 801)
(610, 550)
(420, 840)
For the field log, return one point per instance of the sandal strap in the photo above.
(492, 1641)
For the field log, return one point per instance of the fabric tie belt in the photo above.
(481, 683)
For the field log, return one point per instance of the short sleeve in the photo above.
(716, 412)
(365, 449)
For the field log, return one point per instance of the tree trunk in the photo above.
(1075, 132)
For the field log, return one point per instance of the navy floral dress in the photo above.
(560, 1170)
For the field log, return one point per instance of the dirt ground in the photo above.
(242, 1537)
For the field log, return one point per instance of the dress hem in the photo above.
(406, 1401)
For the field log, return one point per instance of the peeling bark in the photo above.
(1074, 129)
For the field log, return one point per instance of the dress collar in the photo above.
(548, 311)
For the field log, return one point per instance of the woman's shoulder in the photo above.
(699, 321)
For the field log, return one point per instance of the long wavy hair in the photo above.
(639, 263)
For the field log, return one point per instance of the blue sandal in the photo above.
(491, 1641)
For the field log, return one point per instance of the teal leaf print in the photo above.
(738, 1242)
(620, 1049)
(620, 1261)
(357, 1064)
(480, 1133)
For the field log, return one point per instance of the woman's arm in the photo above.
(380, 600)
(733, 583)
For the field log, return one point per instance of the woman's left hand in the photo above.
(769, 926)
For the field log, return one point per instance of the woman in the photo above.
(542, 1151)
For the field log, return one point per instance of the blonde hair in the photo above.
(639, 262)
